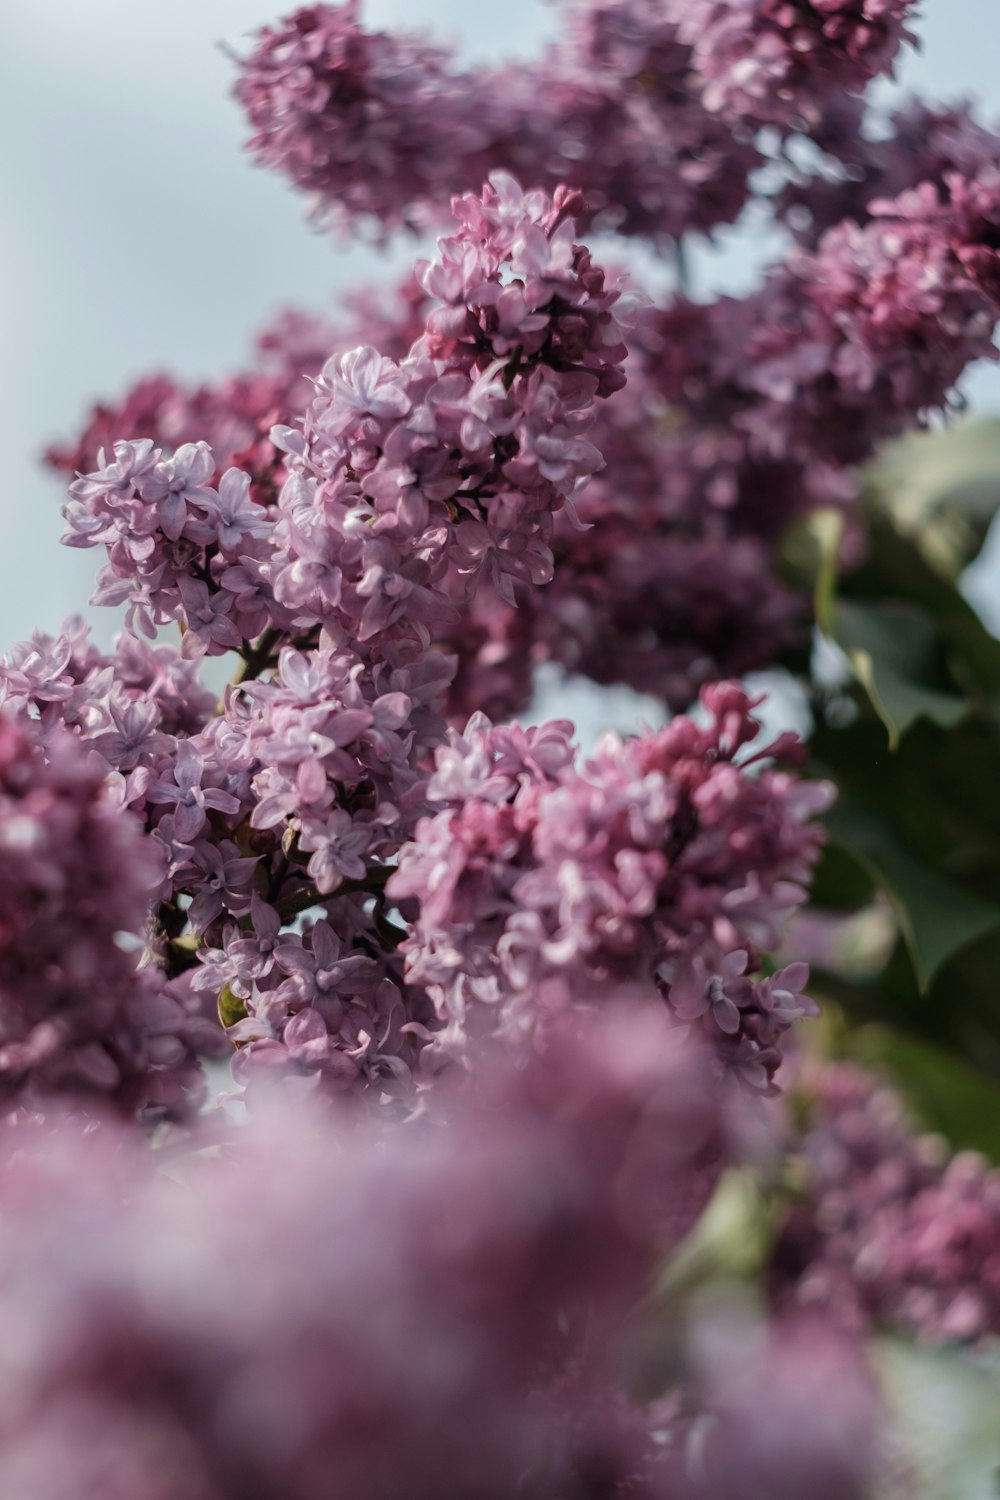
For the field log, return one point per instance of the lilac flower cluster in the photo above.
(334, 106)
(452, 1316)
(889, 1228)
(425, 475)
(323, 760)
(780, 62)
(76, 1017)
(454, 1321)
(130, 705)
(409, 480)
(661, 860)
(849, 344)
(371, 124)
(163, 524)
(298, 789)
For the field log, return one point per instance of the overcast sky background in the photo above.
(136, 235)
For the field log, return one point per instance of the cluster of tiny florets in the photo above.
(780, 62)
(660, 859)
(371, 124)
(889, 1228)
(76, 1016)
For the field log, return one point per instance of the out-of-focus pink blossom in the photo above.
(317, 1310)
(889, 1229)
(78, 1020)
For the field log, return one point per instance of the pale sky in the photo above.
(136, 234)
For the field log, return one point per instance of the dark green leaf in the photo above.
(937, 916)
(895, 651)
(841, 883)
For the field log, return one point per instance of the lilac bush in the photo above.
(503, 1016)
(412, 487)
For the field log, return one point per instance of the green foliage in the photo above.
(943, 1093)
(937, 916)
(911, 738)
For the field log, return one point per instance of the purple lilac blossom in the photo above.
(848, 344)
(323, 759)
(889, 1228)
(778, 62)
(409, 480)
(371, 125)
(660, 860)
(79, 1021)
(453, 1320)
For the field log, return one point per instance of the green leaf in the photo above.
(937, 916)
(840, 883)
(896, 569)
(921, 813)
(941, 490)
(915, 644)
(895, 651)
(946, 1094)
(939, 1433)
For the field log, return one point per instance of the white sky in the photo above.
(136, 235)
